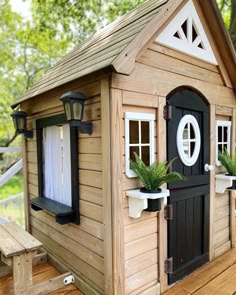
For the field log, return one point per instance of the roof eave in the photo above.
(221, 37)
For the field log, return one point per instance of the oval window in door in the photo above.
(188, 140)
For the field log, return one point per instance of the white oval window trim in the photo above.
(188, 119)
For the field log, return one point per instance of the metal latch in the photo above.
(69, 280)
(169, 265)
(169, 212)
(167, 112)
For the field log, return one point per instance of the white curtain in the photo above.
(57, 164)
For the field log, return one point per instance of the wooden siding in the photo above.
(140, 235)
(222, 202)
(79, 247)
(159, 71)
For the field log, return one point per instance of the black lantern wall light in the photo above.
(74, 109)
(19, 121)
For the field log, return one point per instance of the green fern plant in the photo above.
(153, 176)
(229, 162)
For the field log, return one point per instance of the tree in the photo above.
(75, 20)
(29, 48)
(228, 11)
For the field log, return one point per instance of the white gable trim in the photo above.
(183, 39)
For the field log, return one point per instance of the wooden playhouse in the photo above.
(159, 81)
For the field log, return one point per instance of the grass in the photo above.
(13, 209)
(14, 186)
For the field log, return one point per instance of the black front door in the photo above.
(188, 142)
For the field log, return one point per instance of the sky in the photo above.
(22, 7)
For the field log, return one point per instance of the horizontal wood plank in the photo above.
(155, 81)
(139, 99)
(72, 231)
(140, 262)
(141, 278)
(225, 111)
(70, 245)
(90, 162)
(90, 145)
(73, 262)
(90, 178)
(139, 230)
(91, 194)
(181, 56)
(173, 65)
(141, 246)
(91, 211)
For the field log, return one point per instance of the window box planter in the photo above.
(139, 201)
(224, 181)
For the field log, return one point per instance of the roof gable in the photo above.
(186, 34)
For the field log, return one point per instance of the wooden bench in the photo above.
(18, 249)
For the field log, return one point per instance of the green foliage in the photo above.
(229, 162)
(14, 186)
(225, 9)
(74, 20)
(228, 12)
(153, 176)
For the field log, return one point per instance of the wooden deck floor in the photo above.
(215, 278)
(41, 273)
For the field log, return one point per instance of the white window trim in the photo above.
(167, 38)
(227, 124)
(179, 140)
(137, 117)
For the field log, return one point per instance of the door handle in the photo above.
(208, 167)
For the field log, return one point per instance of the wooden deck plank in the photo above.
(206, 275)
(41, 273)
(225, 284)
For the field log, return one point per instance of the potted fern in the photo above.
(226, 180)
(153, 177)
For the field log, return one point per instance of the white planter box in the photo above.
(138, 201)
(223, 182)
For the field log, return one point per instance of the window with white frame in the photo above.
(223, 134)
(139, 138)
(188, 140)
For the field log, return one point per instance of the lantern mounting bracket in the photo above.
(28, 133)
(84, 127)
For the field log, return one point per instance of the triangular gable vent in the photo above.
(186, 34)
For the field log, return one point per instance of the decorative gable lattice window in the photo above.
(185, 33)
(223, 135)
(139, 138)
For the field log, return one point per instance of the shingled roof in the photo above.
(98, 51)
(116, 45)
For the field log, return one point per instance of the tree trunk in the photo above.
(232, 29)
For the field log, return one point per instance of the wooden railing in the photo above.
(14, 169)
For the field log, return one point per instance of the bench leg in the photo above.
(22, 274)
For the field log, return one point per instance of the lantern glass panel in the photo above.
(67, 109)
(14, 122)
(77, 107)
(21, 123)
